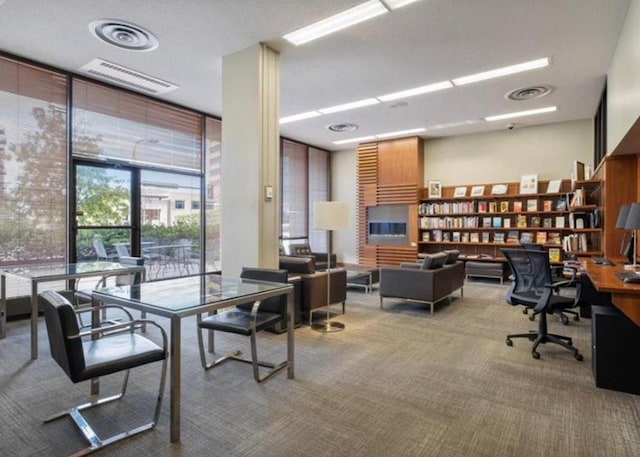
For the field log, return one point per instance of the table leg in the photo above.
(290, 341)
(3, 306)
(34, 320)
(174, 389)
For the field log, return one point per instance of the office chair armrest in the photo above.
(89, 309)
(254, 314)
(136, 324)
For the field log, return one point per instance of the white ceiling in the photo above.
(422, 43)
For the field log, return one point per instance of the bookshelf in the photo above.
(585, 219)
(480, 225)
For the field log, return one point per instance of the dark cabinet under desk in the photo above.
(615, 350)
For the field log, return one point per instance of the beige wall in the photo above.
(505, 155)
(548, 150)
(623, 80)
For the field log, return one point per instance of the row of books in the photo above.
(512, 236)
(521, 221)
(517, 206)
(577, 242)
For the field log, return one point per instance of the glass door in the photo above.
(103, 224)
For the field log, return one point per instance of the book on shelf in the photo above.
(541, 237)
(493, 207)
(535, 221)
(474, 237)
(561, 204)
(575, 242)
(512, 236)
(482, 207)
(532, 205)
(578, 198)
(498, 237)
(578, 170)
(526, 237)
(486, 222)
(426, 236)
(554, 186)
(437, 236)
(546, 222)
(547, 205)
(579, 220)
(455, 237)
(504, 207)
(496, 222)
(506, 222)
(559, 221)
(554, 255)
(464, 237)
(485, 237)
(446, 237)
(521, 221)
(554, 238)
(517, 206)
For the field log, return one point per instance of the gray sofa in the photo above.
(436, 277)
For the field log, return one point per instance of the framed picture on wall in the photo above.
(477, 191)
(435, 189)
(460, 192)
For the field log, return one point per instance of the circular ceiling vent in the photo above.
(343, 127)
(527, 93)
(124, 34)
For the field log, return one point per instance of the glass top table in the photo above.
(40, 273)
(177, 298)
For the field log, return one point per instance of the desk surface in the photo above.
(625, 296)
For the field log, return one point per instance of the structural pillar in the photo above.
(250, 159)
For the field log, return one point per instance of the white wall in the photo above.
(548, 150)
(505, 155)
(623, 80)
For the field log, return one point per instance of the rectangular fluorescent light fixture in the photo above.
(449, 125)
(400, 133)
(500, 117)
(416, 91)
(498, 72)
(355, 140)
(395, 4)
(299, 117)
(347, 106)
(347, 18)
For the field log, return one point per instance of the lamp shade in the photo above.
(622, 216)
(633, 219)
(331, 215)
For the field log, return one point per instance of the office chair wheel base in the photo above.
(509, 342)
(578, 357)
(564, 320)
(525, 311)
(535, 355)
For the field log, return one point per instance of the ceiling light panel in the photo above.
(498, 72)
(500, 117)
(355, 140)
(395, 4)
(400, 133)
(347, 18)
(416, 91)
(299, 117)
(348, 106)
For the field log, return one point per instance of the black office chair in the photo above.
(117, 348)
(559, 274)
(533, 287)
(247, 319)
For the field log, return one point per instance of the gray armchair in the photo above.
(428, 282)
(320, 259)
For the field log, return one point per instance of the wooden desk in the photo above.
(624, 296)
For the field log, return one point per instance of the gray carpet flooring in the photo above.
(396, 382)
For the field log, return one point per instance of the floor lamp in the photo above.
(330, 216)
(633, 223)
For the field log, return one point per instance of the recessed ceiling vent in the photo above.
(527, 93)
(127, 77)
(343, 127)
(124, 34)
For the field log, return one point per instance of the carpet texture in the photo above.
(397, 382)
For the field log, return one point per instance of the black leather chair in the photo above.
(96, 353)
(248, 319)
(322, 260)
(533, 287)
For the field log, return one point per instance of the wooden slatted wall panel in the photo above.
(367, 195)
(393, 255)
(398, 194)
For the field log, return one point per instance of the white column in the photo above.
(250, 159)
